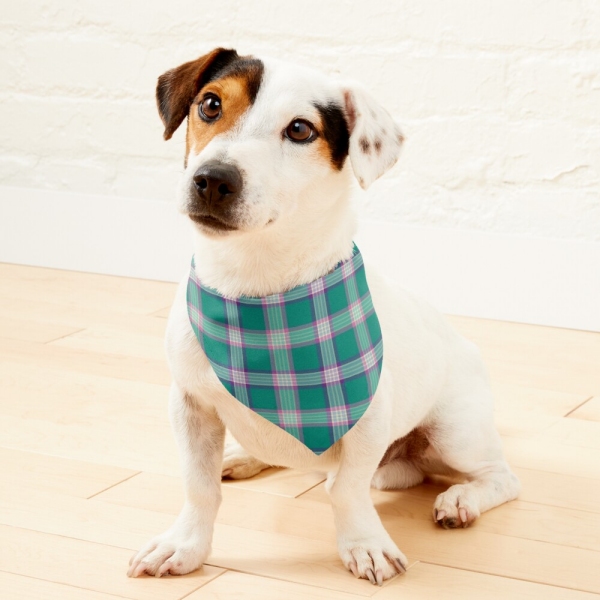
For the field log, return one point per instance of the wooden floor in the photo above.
(89, 470)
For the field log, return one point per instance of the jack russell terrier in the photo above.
(280, 335)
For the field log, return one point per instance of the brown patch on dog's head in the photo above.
(234, 79)
(365, 145)
(377, 144)
(236, 92)
(334, 137)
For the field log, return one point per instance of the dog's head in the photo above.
(265, 139)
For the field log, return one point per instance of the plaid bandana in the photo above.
(307, 360)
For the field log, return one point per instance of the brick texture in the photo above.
(500, 100)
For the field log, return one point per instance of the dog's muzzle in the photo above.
(216, 187)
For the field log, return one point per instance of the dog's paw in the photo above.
(456, 507)
(238, 464)
(372, 559)
(170, 554)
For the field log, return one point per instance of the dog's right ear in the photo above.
(177, 88)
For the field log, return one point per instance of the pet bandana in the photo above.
(307, 360)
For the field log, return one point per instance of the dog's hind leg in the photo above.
(470, 444)
(398, 474)
(238, 464)
(400, 466)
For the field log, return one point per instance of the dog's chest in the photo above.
(189, 366)
(267, 442)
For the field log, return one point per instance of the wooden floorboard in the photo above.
(81, 564)
(20, 587)
(41, 472)
(589, 411)
(89, 470)
(450, 584)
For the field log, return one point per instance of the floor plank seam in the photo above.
(70, 458)
(538, 541)
(554, 585)
(76, 587)
(62, 337)
(205, 584)
(593, 478)
(312, 487)
(560, 506)
(562, 474)
(312, 585)
(70, 537)
(413, 565)
(578, 406)
(113, 485)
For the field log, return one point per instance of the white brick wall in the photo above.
(500, 99)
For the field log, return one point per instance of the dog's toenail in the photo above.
(401, 568)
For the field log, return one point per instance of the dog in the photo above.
(271, 150)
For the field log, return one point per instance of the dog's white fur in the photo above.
(295, 224)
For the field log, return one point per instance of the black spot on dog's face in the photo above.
(365, 145)
(377, 145)
(334, 130)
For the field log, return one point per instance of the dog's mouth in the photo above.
(211, 222)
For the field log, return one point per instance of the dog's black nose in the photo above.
(218, 183)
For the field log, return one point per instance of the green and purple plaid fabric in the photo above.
(307, 360)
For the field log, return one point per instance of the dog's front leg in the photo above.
(184, 547)
(365, 546)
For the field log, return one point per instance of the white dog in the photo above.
(266, 186)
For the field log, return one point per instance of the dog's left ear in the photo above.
(375, 138)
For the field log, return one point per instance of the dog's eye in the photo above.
(210, 108)
(299, 130)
